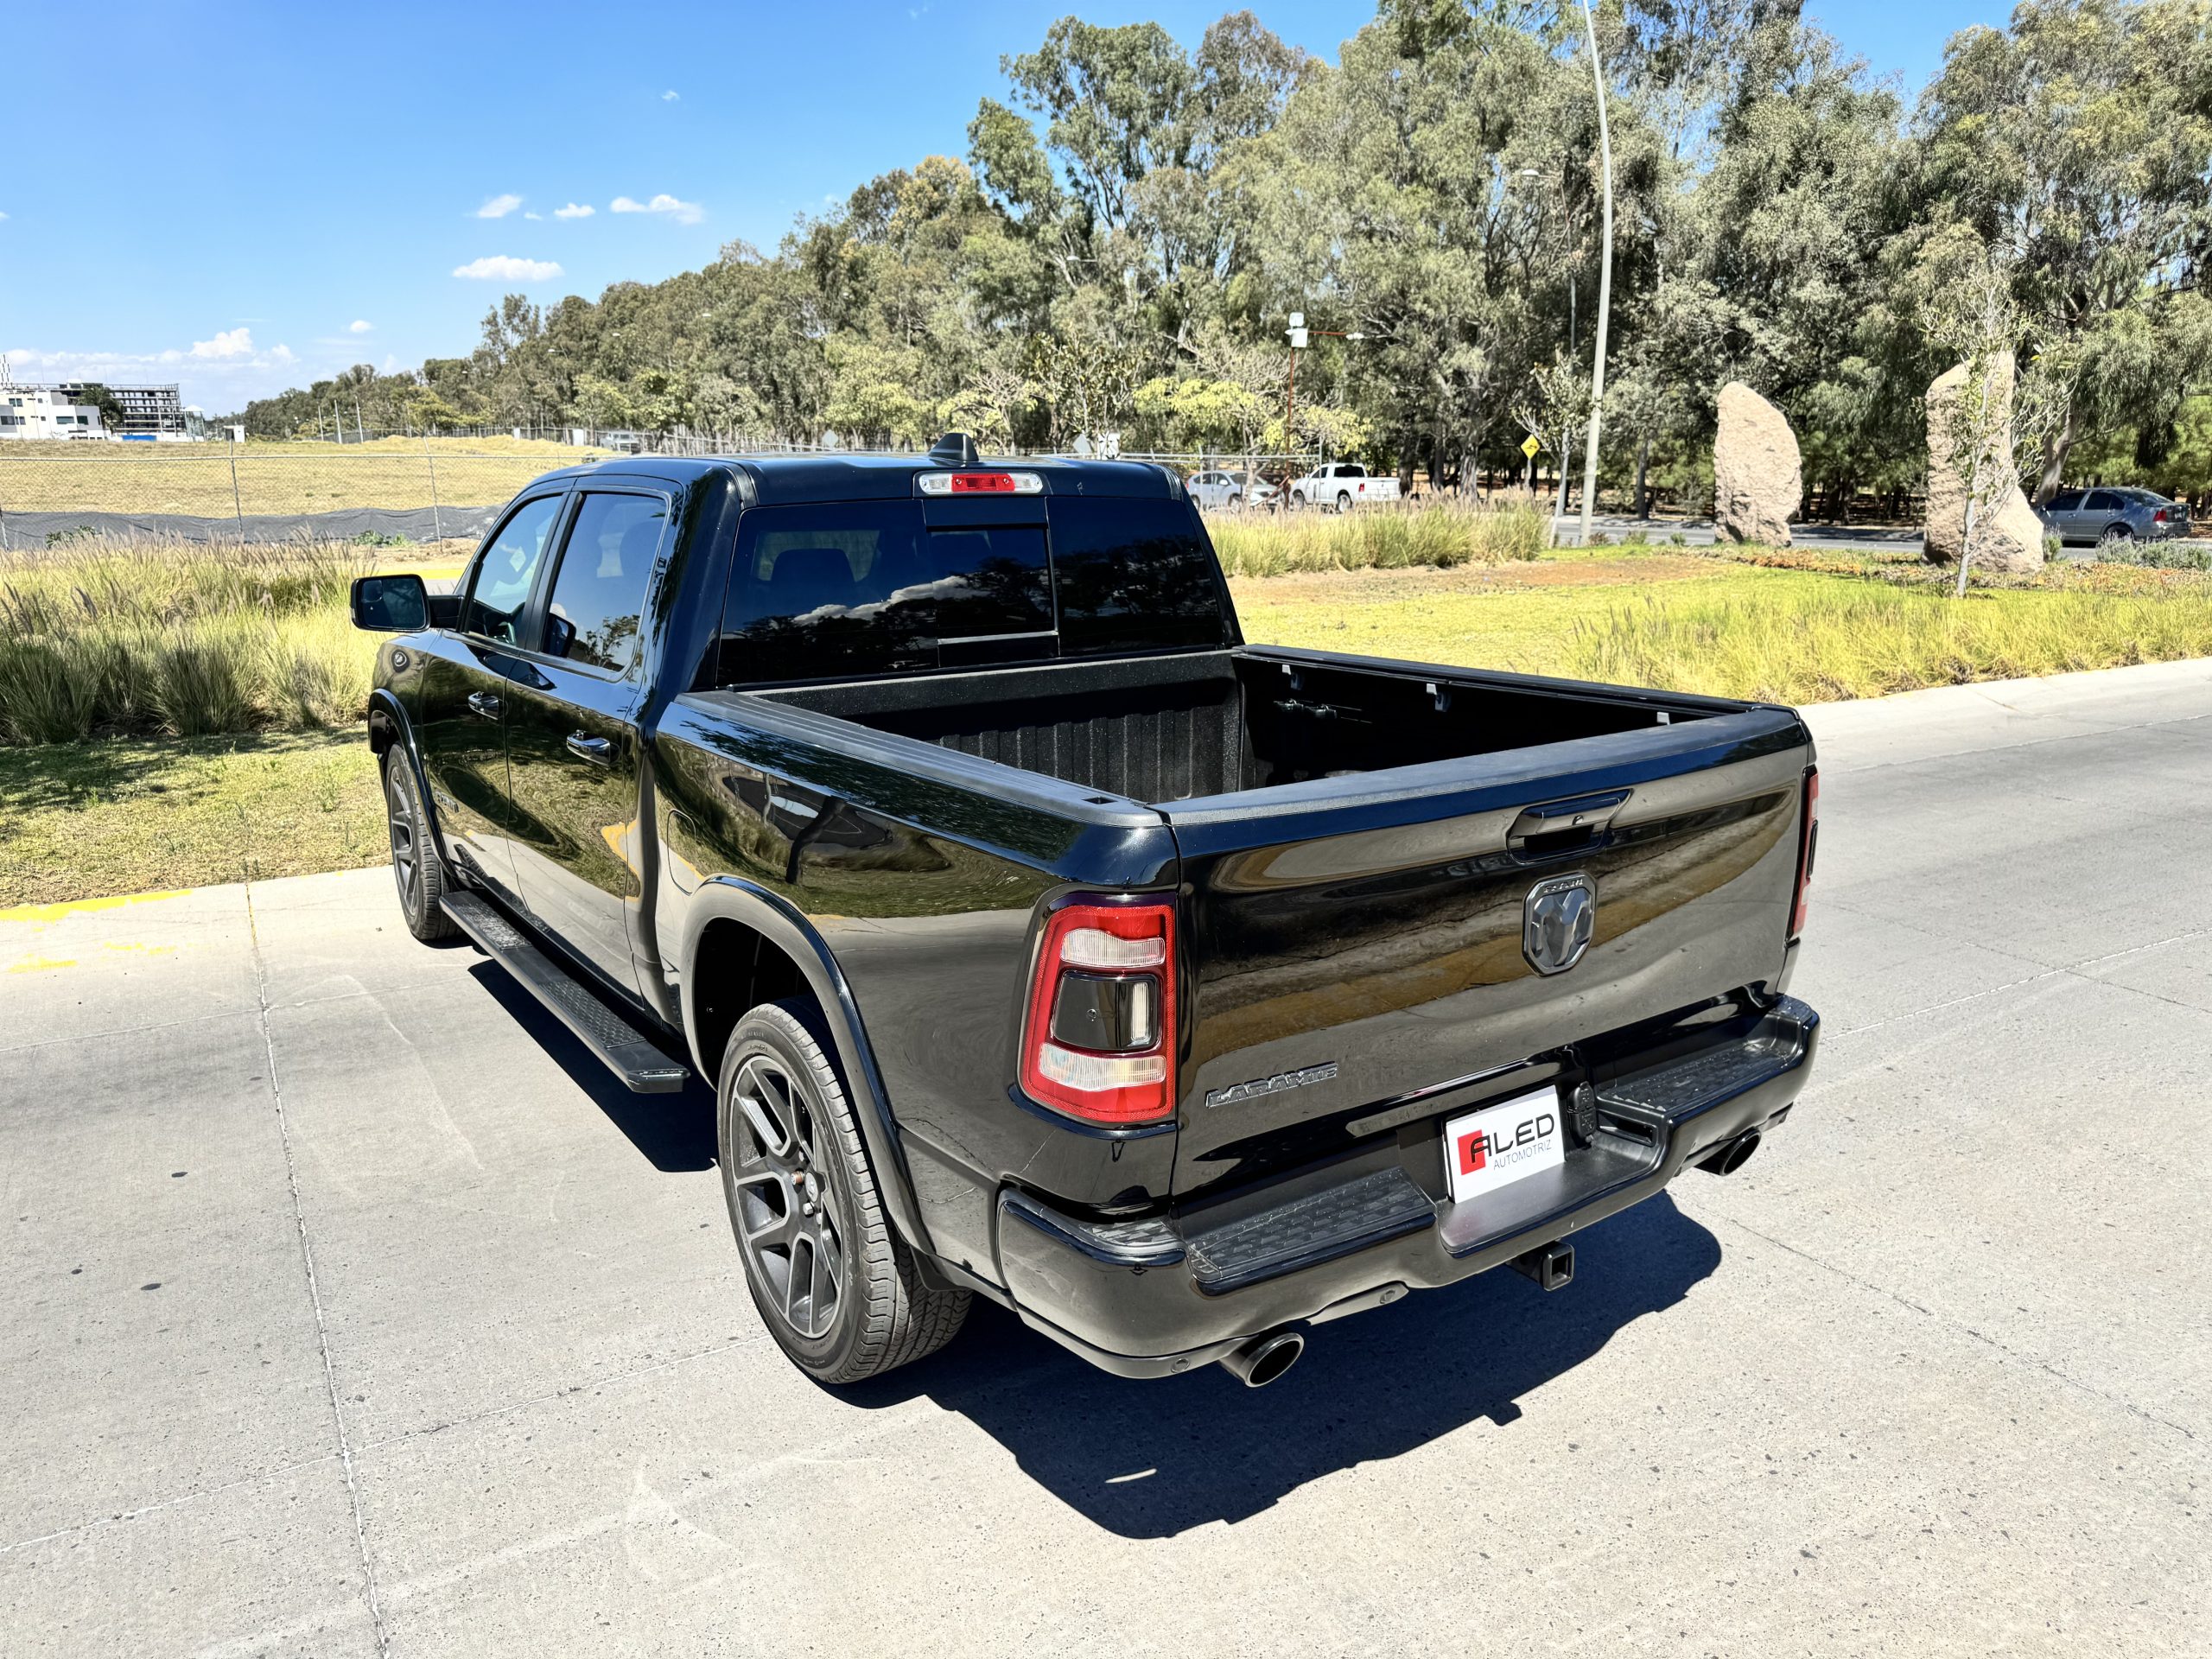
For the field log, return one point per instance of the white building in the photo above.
(44, 412)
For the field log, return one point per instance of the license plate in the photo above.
(1501, 1144)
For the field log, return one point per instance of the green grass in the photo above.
(1440, 534)
(1743, 631)
(90, 820)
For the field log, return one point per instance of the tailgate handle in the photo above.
(1563, 826)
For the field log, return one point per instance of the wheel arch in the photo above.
(389, 730)
(744, 945)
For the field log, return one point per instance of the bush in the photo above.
(178, 639)
(1440, 534)
(2158, 555)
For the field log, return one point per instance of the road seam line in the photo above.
(1946, 1320)
(315, 1292)
(121, 1516)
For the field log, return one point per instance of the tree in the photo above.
(2078, 143)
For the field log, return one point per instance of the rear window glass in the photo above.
(867, 587)
(846, 590)
(1133, 576)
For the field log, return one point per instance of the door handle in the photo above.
(486, 703)
(599, 751)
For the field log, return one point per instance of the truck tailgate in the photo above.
(1356, 941)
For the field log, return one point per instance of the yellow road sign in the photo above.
(1530, 446)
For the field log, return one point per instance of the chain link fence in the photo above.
(387, 489)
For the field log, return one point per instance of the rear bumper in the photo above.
(1166, 1295)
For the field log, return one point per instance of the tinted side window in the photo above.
(508, 570)
(867, 587)
(1133, 576)
(2066, 503)
(599, 592)
(2104, 501)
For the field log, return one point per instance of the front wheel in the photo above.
(842, 1295)
(414, 868)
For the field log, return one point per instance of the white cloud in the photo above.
(505, 268)
(498, 207)
(684, 213)
(538, 216)
(670, 97)
(3, 215)
(224, 371)
(228, 342)
(358, 326)
(575, 210)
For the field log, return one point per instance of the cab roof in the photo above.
(779, 480)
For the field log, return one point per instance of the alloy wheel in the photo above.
(400, 815)
(785, 1219)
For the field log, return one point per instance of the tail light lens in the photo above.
(1809, 839)
(2159, 517)
(1100, 1038)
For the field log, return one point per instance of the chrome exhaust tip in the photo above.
(1259, 1362)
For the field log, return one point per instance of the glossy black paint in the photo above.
(697, 846)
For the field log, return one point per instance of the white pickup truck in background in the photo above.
(1341, 485)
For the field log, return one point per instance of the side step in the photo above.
(643, 1067)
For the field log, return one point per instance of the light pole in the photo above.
(1300, 333)
(1605, 284)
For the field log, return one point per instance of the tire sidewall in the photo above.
(399, 781)
(762, 1031)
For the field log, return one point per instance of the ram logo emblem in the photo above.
(1557, 920)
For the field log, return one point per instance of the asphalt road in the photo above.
(348, 1308)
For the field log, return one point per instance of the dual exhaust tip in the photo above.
(1260, 1360)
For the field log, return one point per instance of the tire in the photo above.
(1235, 504)
(1298, 497)
(2115, 534)
(839, 1292)
(1344, 500)
(416, 870)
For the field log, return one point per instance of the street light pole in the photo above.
(1605, 284)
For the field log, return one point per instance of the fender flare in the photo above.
(385, 708)
(726, 897)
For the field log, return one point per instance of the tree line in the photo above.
(1120, 245)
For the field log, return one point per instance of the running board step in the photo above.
(641, 1066)
(1333, 1222)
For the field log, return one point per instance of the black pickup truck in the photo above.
(1045, 942)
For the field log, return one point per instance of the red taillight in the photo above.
(1809, 836)
(1099, 1042)
(2159, 517)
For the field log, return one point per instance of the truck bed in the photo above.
(1179, 728)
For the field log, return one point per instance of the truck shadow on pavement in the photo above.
(675, 1133)
(1154, 1459)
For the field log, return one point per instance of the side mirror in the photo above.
(398, 604)
(560, 634)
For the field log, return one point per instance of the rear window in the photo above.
(845, 590)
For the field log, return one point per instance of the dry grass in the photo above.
(1439, 534)
(272, 478)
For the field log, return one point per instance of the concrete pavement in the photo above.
(351, 1310)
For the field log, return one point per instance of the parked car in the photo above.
(1043, 941)
(1341, 485)
(2104, 517)
(1218, 491)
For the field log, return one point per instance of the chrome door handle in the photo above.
(599, 751)
(486, 703)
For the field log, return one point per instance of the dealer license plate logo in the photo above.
(1504, 1143)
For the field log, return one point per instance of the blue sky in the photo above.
(246, 198)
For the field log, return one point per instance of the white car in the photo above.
(1218, 490)
(1341, 485)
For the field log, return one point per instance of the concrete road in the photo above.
(1700, 532)
(348, 1309)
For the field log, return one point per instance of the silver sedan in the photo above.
(1220, 491)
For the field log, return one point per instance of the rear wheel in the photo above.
(2116, 536)
(414, 868)
(842, 1295)
(1236, 502)
(1344, 500)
